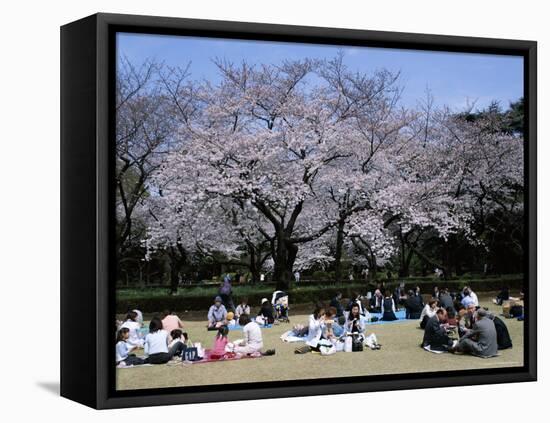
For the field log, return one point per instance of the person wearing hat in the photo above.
(216, 314)
(230, 319)
(481, 341)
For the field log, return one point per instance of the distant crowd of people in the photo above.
(452, 322)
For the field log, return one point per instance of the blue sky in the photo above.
(454, 79)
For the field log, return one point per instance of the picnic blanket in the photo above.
(237, 327)
(289, 336)
(227, 357)
(400, 314)
(427, 348)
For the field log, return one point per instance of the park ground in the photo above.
(400, 354)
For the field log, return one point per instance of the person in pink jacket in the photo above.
(218, 350)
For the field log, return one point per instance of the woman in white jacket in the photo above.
(316, 325)
(428, 311)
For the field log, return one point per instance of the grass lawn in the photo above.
(400, 353)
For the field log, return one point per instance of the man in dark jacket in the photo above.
(336, 302)
(413, 306)
(435, 335)
(504, 340)
(445, 299)
(481, 341)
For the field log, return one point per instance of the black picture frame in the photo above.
(87, 253)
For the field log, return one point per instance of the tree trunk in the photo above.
(177, 261)
(403, 262)
(338, 252)
(284, 259)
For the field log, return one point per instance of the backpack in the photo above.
(516, 311)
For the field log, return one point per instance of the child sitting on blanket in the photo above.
(332, 329)
(123, 349)
(178, 336)
(220, 342)
(242, 308)
(230, 319)
(133, 327)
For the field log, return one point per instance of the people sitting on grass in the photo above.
(332, 328)
(504, 340)
(376, 302)
(418, 294)
(123, 350)
(445, 299)
(266, 314)
(355, 323)
(170, 321)
(400, 295)
(131, 323)
(470, 316)
(481, 341)
(436, 337)
(413, 306)
(216, 314)
(469, 297)
(230, 319)
(355, 299)
(428, 312)
(220, 342)
(356, 327)
(156, 344)
(279, 301)
(242, 308)
(503, 295)
(316, 323)
(139, 317)
(177, 335)
(336, 302)
(461, 319)
(252, 342)
(388, 308)
(451, 317)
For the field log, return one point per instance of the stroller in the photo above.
(279, 300)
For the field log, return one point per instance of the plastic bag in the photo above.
(348, 343)
(327, 350)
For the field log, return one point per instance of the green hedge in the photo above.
(202, 299)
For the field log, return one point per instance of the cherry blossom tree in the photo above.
(299, 164)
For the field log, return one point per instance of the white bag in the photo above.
(339, 346)
(371, 341)
(348, 344)
(326, 350)
(200, 349)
